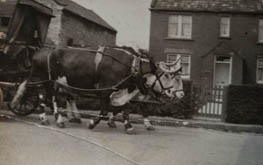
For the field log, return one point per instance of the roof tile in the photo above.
(209, 5)
(85, 13)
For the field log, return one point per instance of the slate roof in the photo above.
(84, 13)
(248, 6)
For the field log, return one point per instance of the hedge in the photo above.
(244, 104)
(181, 109)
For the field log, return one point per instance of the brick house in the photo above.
(220, 41)
(72, 24)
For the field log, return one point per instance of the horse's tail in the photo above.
(19, 94)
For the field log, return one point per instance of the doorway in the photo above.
(222, 70)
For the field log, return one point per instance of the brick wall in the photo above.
(84, 32)
(205, 36)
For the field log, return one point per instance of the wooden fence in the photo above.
(211, 102)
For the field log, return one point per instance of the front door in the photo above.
(222, 70)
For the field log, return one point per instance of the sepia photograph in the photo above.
(131, 82)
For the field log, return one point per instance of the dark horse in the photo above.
(115, 74)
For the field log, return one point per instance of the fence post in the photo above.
(224, 104)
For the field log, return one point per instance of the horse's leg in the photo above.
(127, 125)
(104, 102)
(73, 112)
(111, 121)
(58, 116)
(42, 116)
(146, 121)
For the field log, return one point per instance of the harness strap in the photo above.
(136, 65)
(97, 61)
(48, 65)
(98, 57)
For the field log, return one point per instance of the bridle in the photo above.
(157, 80)
(163, 89)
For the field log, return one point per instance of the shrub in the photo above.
(244, 104)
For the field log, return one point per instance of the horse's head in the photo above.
(166, 79)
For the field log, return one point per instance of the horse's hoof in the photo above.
(56, 116)
(91, 124)
(112, 125)
(150, 128)
(61, 125)
(129, 131)
(45, 122)
(75, 120)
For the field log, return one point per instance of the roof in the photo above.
(7, 8)
(37, 6)
(84, 13)
(248, 6)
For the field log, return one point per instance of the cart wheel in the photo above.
(1, 98)
(27, 105)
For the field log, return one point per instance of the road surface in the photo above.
(24, 143)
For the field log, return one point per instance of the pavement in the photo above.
(196, 122)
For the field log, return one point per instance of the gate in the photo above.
(211, 102)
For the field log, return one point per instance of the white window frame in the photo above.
(260, 30)
(172, 26)
(183, 76)
(258, 67)
(228, 26)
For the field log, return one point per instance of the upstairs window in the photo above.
(185, 62)
(225, 27)
(260, 70)
(4, 21)
(180, 26)
(260, 31)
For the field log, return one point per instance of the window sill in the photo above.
(225, 38)
(179, 39)
(259, 43)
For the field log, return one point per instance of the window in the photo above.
(260, 71)
(225, 27)
(180, 26)
(4, 21)
(260, 31)
(185, 62)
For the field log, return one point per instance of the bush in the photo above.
(244, 104)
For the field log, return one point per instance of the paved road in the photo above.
(26, 144)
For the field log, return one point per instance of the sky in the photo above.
(131, 18)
